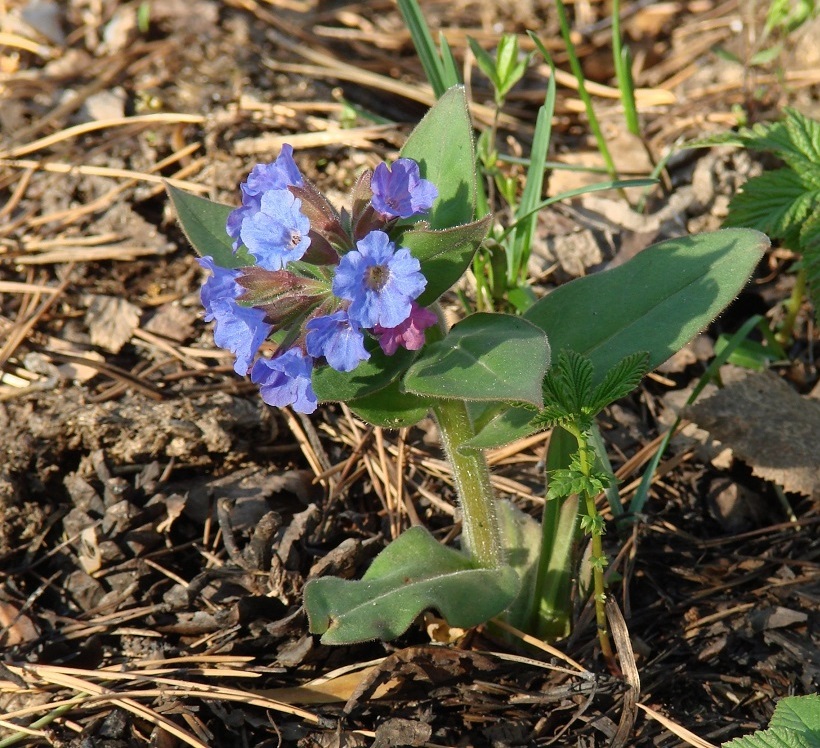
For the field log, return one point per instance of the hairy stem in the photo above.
(480, 528)
(586, 459)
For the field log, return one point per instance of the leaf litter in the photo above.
(159, 523)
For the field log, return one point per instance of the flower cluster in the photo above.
(321, 281)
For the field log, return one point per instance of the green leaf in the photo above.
(656, 302)
(619, 381)
(485, 62)
(483, 357)
(438, 68)
(776, 202)
(413, 574)
(203, 222)
(521, 535)
(390, 408)
(444, 254)
(442, 144)
(368, 377)
(800, 713)
(794, 724)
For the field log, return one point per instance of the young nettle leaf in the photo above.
(784, 202)
(794, 724)
(619, 381)
(569, 397)
(572, 480)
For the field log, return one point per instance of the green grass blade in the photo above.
(526, 214)
(575, 64)
(597, 187)
(448, 62)
(623, 72)
(425, 46)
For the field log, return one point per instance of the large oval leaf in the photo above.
(442, 144)
(656, 302)
(413, 574)
(484, 357)
(368, 377)
(390, 408)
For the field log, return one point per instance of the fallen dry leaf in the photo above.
(111, 321)
(769, 426)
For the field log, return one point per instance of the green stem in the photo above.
(480, 528)
(786, 332)
(586, 459)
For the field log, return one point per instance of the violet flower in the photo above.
(400, 192)
(277, 233)
(279, 175)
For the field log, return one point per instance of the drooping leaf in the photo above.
(656, 302)
(203, 222)
(390, 408)
(483, 357)
(444, 254)
(413, 574)
(442, 144)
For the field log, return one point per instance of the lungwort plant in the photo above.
(320, 303)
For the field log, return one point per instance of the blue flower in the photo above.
(401, 192)
(278, 232)
(279, 175)
(239, 329)
(285, 380)
(379, 281)
(338, 339)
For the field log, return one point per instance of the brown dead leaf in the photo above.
(769, 426)
(111, 321)
(15, 627)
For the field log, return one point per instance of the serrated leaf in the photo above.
(442, 144)
(656, 302)
(444, 254)
(776, 202)
(799, 713)
(413, 574)
(574, 373)
(203, 222)
(483, 357)
(619, 381)
(794, 724)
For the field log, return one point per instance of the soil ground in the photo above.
(159, 521)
